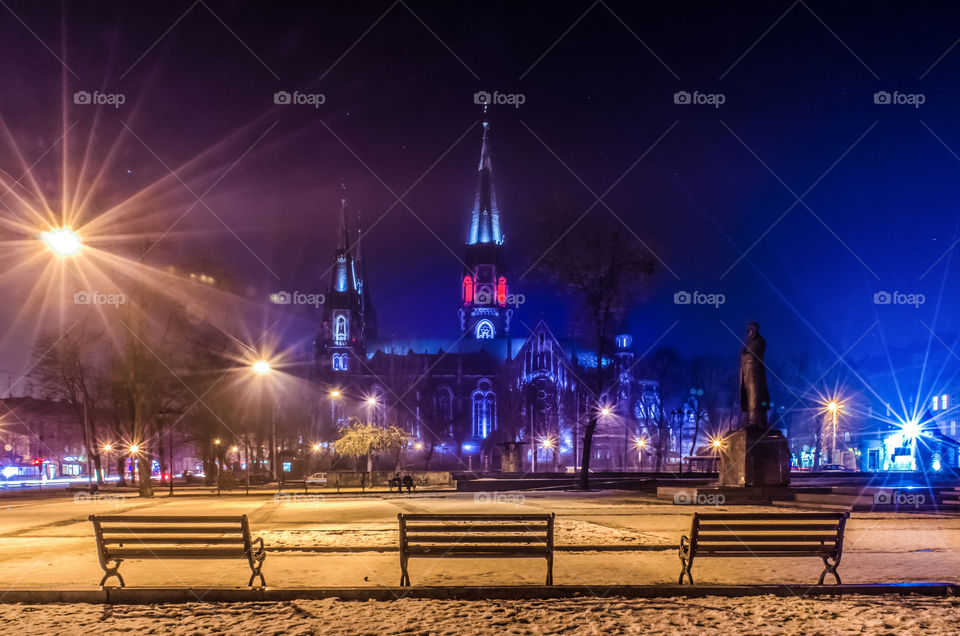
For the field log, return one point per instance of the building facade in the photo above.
(462, 400)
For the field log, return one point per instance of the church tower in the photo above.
(483, 284)
(347, 310)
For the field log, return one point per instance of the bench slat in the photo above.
(168, 520)
(767, 527)
(111, 540)
(174, 530)
(471, 538)
(177, 553)
(462, 527)
(506, 552)
(748, 548)
(474, 517)
(783, 538)
(771, 516)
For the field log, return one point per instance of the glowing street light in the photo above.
(134, 449)
(261, 367)
(234, 449)
(107, 448)
(62, 241)
(717, 443)
(605, 411)
(372, 401)
(316, 447)
(546, 443)
(217, 441)
(640, 443)
(335, 394)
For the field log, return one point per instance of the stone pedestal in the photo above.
(750, 458)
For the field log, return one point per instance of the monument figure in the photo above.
(755, 456)
(754, 394)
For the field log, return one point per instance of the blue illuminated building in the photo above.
(462, 399)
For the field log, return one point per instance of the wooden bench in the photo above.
(720, 534)
(123, 537)
(475, 536)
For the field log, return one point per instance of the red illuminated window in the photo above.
(467, 289)
(502, 291)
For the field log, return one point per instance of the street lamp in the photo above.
(640, 443)
(335, 394)
(62, 241)
(261, 367)
(833, 408)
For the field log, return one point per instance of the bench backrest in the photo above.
(138, 536)
(768, 534)
(491, 531)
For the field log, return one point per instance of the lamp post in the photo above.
(263, 368)
(106, 448)
(640, 443)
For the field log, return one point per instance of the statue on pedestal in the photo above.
(754, 394)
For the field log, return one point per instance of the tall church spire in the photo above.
(485, 223)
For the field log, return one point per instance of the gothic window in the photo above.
(340, 329)
(502, 291)
(467, 289)
(339, 362)
(485, 329)
(484, 410)
(443, 404)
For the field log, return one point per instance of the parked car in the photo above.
(259, 479)
(318, 479)
(836, 468)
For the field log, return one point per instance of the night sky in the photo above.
(878, 182)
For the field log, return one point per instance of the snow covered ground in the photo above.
(703, 616)
(48, 542)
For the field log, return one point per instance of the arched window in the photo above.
(339, 362)
(340, 329)
(484, 402)
(468, 289)
(502, 291)
(443, 404)
(485, 329)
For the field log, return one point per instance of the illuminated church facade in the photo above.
(462, 400)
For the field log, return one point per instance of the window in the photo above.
(936, 401)
(943, 401)
(467, 289)
(502, 291)
(484, 410)
(339, 362)
(485, 329)
(443, 404)
(340, 329)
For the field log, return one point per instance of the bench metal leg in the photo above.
(404, 574)
(112, 570)
(829, 568)
(255, 572)
(550, 570)
(687, 566)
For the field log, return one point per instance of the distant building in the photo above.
(463, 399)
(40, 437)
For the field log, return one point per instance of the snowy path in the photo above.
(704, 616)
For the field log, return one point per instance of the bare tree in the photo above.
(66, 368)
(605, 270)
